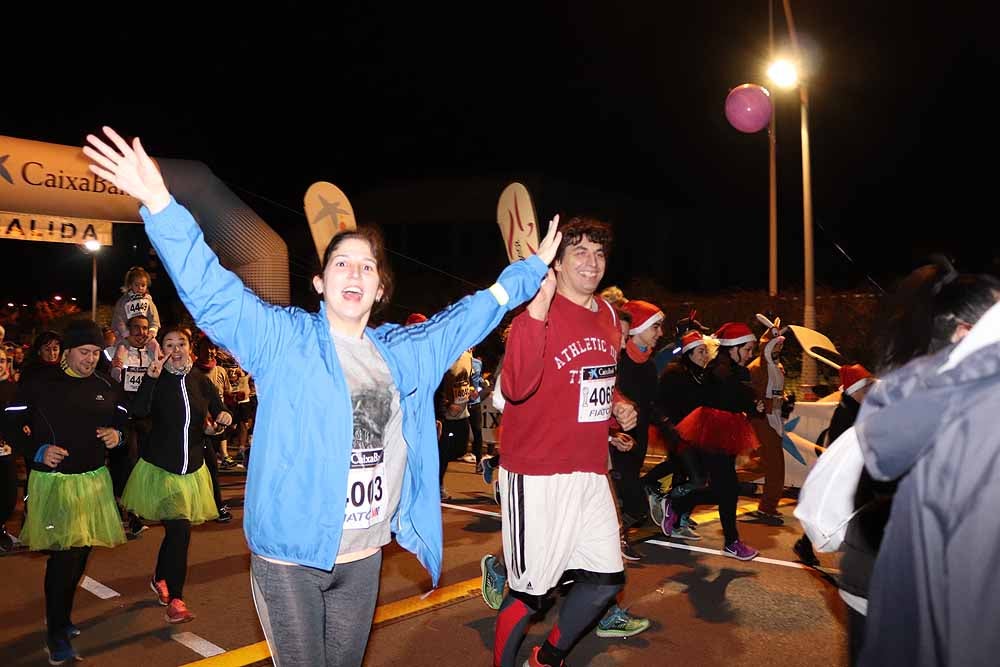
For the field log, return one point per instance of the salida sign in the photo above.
(54, 229)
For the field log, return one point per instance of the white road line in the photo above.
(470, 509)
(202, 647)
(97, 588)
(716, 552)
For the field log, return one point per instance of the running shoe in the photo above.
(72, 631)
(135, 527)
(178, 612)
(468, 457)
(619, 623)
(773, 518)
(60, 650)
(6, 541)
(803, 549)
(736, 549)
(161, 590)
(685, 533)
(669, 517)
(629, 553)
(225, 516)
(533, 660)
(655, 505)
(488, 468)
(494, 580)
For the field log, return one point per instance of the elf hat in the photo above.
(732, 334)
(644, 315)
(691, 340)
(853, 378)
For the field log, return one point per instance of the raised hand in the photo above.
(539, 307)
(129, 168)
(550, 244)
(155, 367)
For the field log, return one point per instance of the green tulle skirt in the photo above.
(155, 494)
(67, 511)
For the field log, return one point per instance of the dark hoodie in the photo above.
(934, 596)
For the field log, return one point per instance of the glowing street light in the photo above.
(783, 73)
(92, 246)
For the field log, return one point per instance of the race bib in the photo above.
(138, 306)
(462, 393)
(133, 378)
(597, 386)
(366, 497)
(5, 449)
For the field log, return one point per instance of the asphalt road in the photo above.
(705, 609)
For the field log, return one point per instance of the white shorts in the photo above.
(557, 523)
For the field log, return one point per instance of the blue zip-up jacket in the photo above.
(297, 485)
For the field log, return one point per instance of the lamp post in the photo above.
(92, 247)
(772, 259)
(785, 75)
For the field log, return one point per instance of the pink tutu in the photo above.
(714, 430)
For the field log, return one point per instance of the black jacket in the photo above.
(682, 389)
(729, 385)
(637, 381)
(66, 411)
(177, 414)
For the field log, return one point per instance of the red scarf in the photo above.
(636, 354)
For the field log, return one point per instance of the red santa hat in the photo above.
(415, 318)
(853, 378)
(691, 340)
(644, 315)
(732, 334)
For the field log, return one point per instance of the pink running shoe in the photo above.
(160, 588)
(740, 551)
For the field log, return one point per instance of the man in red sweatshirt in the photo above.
(559, 518)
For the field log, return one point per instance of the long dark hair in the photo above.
(929, 304)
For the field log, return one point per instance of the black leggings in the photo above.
(723, 489)
(476, 424)
(8, 487)
(625, 470)
(451, 445)
(63, 572)
(171, 565)
(213, 471)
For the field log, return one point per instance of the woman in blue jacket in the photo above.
(346, 447)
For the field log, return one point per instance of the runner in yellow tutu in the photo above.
(171, 483)
(73, 415)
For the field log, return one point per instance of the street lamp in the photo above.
(92, 246)
(785, 74)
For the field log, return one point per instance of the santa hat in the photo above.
(853, 378)
(732, 334)
(644, 315)
(691, 340)
(415, 318)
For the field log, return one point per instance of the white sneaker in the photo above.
(468, 457)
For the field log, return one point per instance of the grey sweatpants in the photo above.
(315, 617)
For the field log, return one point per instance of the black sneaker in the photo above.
(629, 553)
(803, 549)
(6, 541)
(225, 516)
(135, 527)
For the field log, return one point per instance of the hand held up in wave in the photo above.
(129, 168)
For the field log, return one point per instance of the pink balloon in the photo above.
(748, 107)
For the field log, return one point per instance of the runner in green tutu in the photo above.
(73, 415)
(170, 483)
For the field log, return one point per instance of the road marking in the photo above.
(201, 646)
(97, 588)
(470, 509)
(758, 559)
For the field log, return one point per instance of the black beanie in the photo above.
(82, 332)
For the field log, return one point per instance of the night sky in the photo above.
(421, 112)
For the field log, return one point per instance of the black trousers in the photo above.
(625, 470)
(171, 564)
(451, 445)
(723, 490)
(213, 470)
(476, 424)
(8, 487)
(121, 461)
(63, 572)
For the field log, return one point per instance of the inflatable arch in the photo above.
(49, 183)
